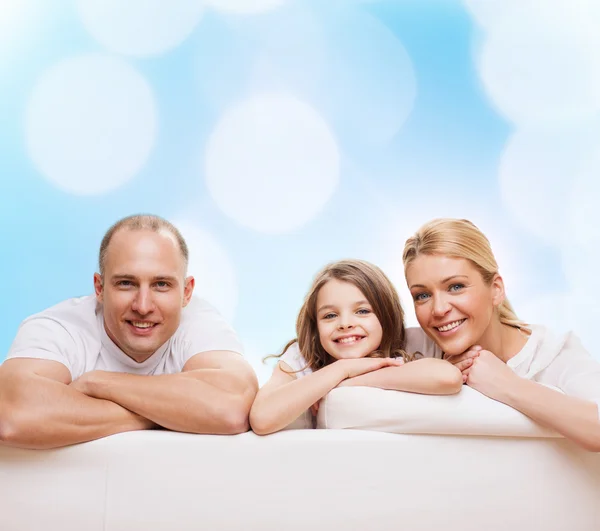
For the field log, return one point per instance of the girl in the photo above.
(350, 331)
(461, 305)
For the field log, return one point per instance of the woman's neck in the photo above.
(504, 341)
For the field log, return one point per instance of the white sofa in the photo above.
(314, 479)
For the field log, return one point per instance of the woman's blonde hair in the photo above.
(459, 238)
(379, 292)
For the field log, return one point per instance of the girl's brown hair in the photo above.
(379, 292)
(459, 238)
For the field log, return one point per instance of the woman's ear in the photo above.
(497, 287)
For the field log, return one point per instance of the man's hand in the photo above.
(88, 383)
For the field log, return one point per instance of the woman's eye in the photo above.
(420, 297)
(455, 287)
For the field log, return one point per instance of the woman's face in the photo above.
(348, 327)
(453, 304)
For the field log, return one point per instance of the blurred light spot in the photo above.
(553, 310)
(535, 172)
(543, 66)
(140, 27)
(488, 13)
(281, 50)
(245, 6)
(369, 87)
(211, 267)
(585, 206)
(272, 163)
(90, 124)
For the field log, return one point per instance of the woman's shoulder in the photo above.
(418, 341)
(546, 347)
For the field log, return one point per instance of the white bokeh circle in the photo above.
(369, 86)
(488, 13)
(245, 6)
(90, 124)
(536, 174)
(542, 66)
(272, 163)
(211, 267)
(140, 27)
(585, 206)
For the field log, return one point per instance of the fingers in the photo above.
(465, 364)
(473, 352)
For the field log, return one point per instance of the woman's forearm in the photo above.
(576, 419)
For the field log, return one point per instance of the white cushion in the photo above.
(466, 413)
(301, 479)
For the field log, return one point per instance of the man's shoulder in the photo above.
(203, 328)
(199, 311)
(72, 314)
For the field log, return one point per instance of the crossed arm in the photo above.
(41, 408)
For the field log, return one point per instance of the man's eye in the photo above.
(124, 283)
(162, 284)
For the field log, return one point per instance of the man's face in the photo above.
(143, 290)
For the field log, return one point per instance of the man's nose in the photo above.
(143, 302)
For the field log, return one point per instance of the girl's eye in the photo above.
(329, 316)
(455, 287)
(363, 311)
(420, 297)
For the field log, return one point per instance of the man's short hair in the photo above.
(141, 222)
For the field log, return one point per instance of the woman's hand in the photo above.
(485, 372)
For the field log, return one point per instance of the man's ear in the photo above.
(98, 287)
(498, 293)
(188, 289)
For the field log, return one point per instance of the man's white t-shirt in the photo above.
(72, 333)
(557, 361)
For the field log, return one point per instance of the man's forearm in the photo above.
(40, 413)
(201, 401)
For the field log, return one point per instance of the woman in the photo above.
(461, 305)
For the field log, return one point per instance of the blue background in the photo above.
(281, 135)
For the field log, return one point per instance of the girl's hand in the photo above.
(356, 367)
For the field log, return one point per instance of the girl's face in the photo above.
(453, 304)
(347, 326)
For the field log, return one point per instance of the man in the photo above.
(141, 353)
